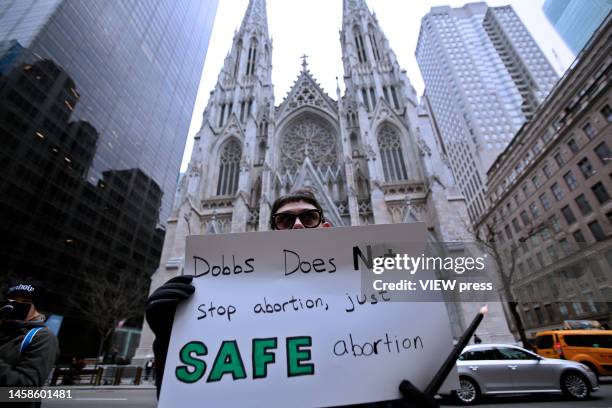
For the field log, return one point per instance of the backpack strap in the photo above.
(28, 339)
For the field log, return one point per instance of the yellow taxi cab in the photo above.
(592, 348)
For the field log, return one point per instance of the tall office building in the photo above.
(96, 99)
(555, 215)
(484, 77)
(576, 20)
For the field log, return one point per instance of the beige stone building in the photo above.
(550, 196)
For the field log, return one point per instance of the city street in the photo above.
(145, 398)
(601, 398)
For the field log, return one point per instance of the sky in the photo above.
(312, 27)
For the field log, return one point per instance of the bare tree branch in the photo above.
(110, 300)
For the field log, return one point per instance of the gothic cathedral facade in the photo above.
(372, 155)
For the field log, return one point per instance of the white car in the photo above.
(489, 369)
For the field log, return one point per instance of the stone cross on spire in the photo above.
(304, 62)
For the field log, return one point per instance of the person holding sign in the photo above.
(297, 210)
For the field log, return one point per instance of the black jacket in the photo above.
(32, 367)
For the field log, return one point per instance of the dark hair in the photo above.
(303, 194)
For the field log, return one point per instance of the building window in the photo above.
(597, 231)
(554, 221)
(578, 308)
(578, 237)
(552, 252)
(540, 259)
(545, 201)
(589, 130)
(536, 181)
(557, 191)
(221, 115)
(525, 190)
(525, 217)
(374, 44)
(573, 146)
(586, 168)
(237, 62)
(361, 54)
(583, 205)
(366, 100)
(229, 168)
(609, 216)
(535, 210)
(570, 180)
(606, 112)
(546, 171)
(566, 247)
(508, 232)
(603, 152)
(559, 159)
(600, 193)
(516, 225)
(394, 96)
(391, 154)
(252, 56)
(568, 214)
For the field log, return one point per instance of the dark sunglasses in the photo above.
(309, 219)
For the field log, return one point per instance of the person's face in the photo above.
(300, 207)
(25, 299)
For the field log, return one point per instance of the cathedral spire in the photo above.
(353, 6)
(248, 63)
(366, 50)
(255, 17)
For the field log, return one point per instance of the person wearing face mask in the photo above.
(294, 211)
(28, 349)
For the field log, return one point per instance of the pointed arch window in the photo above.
(229, 168)
(251, 60)
(237, 62)
(374, 43)
(391, 154)
(359, 43)
(394, 95)
(369, 98)
(222, 115)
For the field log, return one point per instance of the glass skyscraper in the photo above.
(96, 98)
(576, 20)
(484, 77)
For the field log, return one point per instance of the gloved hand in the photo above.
(159, 312)
(413, 397)
(162, 304)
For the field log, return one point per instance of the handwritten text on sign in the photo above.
(279, 319)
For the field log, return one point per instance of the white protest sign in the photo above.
(279, 319)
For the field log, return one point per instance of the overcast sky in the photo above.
(312, 27)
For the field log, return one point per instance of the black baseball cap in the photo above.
(23, 288)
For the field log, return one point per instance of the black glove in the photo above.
(160, 309)
(413, 397)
